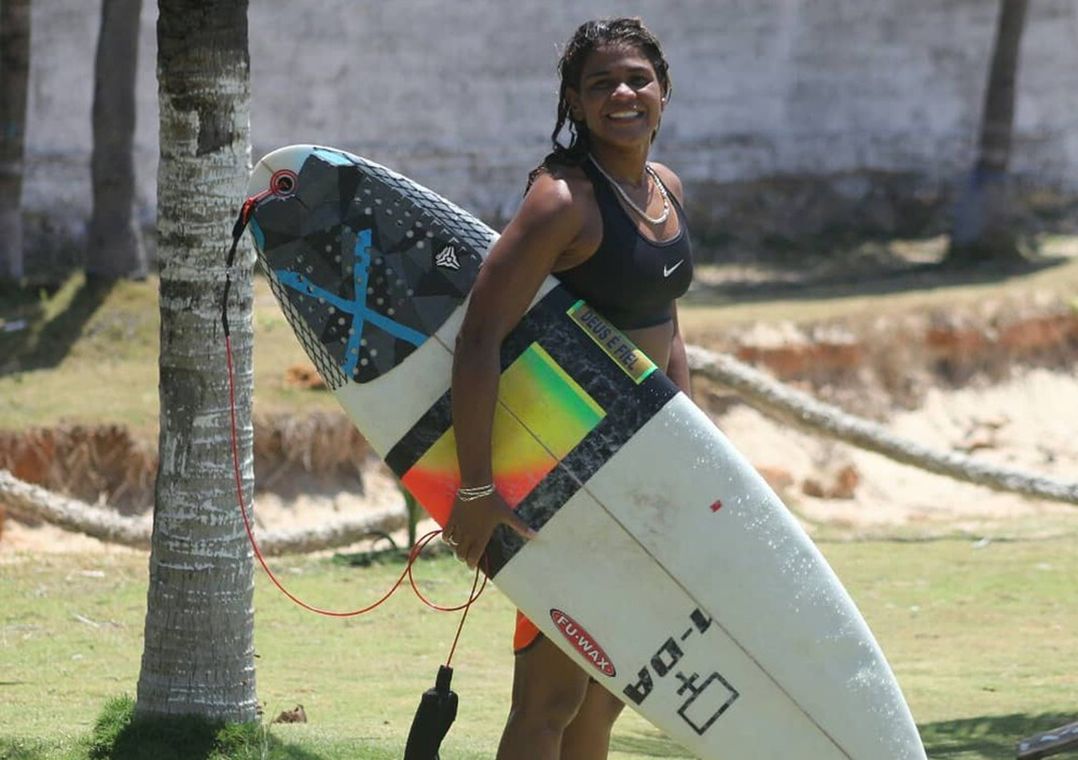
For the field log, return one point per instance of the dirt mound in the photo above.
(870, 366)
(103, 463)
(108, 464)
(840, 490)
(308, 454)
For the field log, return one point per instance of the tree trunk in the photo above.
(198, 651)
(114, 245)
(14, 71)
(983, 227)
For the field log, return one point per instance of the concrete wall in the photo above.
(803, 112)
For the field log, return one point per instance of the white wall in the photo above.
(464, 101)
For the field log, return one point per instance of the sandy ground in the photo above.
(1026, 423)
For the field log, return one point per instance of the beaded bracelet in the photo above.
(476, 492)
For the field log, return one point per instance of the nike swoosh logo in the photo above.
(670, 271)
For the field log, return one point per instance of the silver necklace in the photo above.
(656, 220)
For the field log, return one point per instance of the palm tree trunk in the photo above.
(198, 651)
(14, 72)
(983, 227)
(114, 246)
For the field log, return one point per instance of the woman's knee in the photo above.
(601, 705)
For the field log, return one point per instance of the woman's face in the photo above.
(620, 98)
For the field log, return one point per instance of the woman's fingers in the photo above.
(474, 554)
(471, 525)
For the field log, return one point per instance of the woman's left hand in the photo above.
(472, 523)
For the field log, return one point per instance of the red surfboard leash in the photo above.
(477, 587)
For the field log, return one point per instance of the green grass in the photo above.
(118, 735)
(982, 640)
(89, 355)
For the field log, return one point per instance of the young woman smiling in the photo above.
(608, 223)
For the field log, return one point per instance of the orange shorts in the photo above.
(525, 634)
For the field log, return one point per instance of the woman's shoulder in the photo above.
(559, 210)
(560, 189)
(563, 179)
(670, 179)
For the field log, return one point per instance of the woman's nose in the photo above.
(622, 90)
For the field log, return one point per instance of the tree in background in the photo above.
(14, 72)
(983, 225)
(198, 656)
(114, 246)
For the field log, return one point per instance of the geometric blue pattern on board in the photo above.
(357, 307)
(365, 262)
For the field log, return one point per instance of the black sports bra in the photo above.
(631, 280)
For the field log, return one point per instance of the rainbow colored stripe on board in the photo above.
(534, 393)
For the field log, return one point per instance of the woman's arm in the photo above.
(547, 224)
(678, 368)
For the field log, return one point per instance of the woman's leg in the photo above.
(588, 736)
(548, 691)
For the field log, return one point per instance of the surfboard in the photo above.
(664, 565)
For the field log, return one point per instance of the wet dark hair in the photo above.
(590, 36)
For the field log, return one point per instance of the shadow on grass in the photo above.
(987, 738)
(119, 735)
(884, 280)
(43, 343)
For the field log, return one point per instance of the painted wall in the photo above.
(875, 101)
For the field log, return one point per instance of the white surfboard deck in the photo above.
(673, 574)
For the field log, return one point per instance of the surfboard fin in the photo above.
(435, 714)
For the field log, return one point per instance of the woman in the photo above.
(609, 224)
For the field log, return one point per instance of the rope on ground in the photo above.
(788, 405)
(758, 389)
(27, 500)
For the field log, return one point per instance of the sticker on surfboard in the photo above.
(628, 358)
(583, 642)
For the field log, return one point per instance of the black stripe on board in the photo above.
(628, 406)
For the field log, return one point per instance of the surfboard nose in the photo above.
(272, 171)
